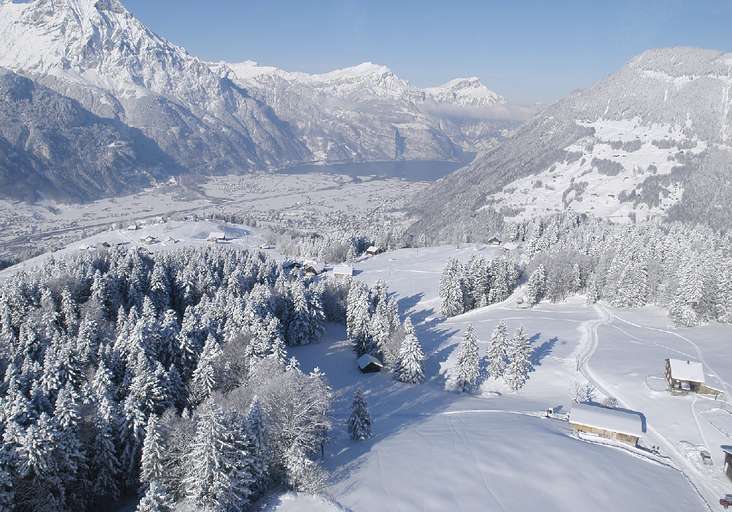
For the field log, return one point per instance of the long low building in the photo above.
(617, 424)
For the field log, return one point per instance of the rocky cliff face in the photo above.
(51, 147)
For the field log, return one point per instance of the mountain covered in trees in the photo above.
(649, 142)
(163, 376)
(188, 115)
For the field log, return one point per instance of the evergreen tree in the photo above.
(155, 500)
(452, 289)
(204, 379)
(359, 424)
(104, 463)
(7, 490)
(467, 367)
(216, 477)
(498, 351)
(517, 371)
(153, 453)
(358, 318)
(536, 287)
(409, 367)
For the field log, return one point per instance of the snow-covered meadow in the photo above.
(434, 449)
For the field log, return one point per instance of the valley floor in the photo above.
(36, 228)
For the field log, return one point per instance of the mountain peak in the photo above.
(468, 91)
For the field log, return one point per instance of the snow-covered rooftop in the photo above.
(343, 270)
(367, 359)
(691, 371)
(217, 235)
(605, 418)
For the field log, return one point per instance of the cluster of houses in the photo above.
(625, 426)
(682, 376)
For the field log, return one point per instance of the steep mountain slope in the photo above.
(218, 118)
(51, 147)
(96, 52)
(651, 141)
(366, 112)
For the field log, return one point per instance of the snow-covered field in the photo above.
(438, 450)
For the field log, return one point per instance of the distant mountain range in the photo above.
(200, 117)
(651, 141)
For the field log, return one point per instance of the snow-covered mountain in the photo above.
(651, 141)
(366, 112)
(51, 147)
(465, 92)
(97, 53)
(215, 118)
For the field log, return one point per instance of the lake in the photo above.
(411, 170)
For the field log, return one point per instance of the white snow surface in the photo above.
(435, 450)
(606, 418)
(438, 450)
(691, 371)
(577, 183)
(377, 79)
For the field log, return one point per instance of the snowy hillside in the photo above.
(221, 118)
(368, 112)
(97, 53)
(651, 141)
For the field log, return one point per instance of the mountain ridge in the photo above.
(650, 141)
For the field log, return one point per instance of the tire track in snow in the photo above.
(590, 337)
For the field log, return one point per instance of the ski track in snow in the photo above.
(588, 345)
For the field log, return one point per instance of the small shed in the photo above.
(369, 364)
(312, 268)
(149, 240)
(374, 250)
(617, 424)
(727, 450)
(133, 227)
(684, 375)
(216, 237)
(494, 240)
(343, 271)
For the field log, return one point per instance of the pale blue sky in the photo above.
(528, 51)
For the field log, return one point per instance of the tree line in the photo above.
(159, 375)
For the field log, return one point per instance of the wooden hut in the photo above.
(684, 375)
(369, 364)
(617, 424)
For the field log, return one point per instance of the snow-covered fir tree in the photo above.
(155, 500)
(409, 367)
(498, 351)
(520, 366)
(359, 423)
(466, 372)
(536, 287)
(452, 289)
